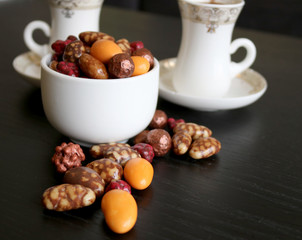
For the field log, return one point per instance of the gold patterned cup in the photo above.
(204, 67)
(68, 17)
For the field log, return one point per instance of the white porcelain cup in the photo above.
(68, 17)
(204, 67)
(92, 111)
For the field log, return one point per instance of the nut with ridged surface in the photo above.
(193, 129)
(108, 169)
(97, 151)
(124, 44)
(66, 197)
(181, 142)
(89, 37)
(204, 147)
(121, 154)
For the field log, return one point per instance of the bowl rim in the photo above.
(46, 59)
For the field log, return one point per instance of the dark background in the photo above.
(251, 190)
(278, 16)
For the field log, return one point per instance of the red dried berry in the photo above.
(136, 45)
(145, 150)
(68, 156)
(59, 46)
(68, 68)
(118, 184)
(172, 122)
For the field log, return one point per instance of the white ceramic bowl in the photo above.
(91, 111)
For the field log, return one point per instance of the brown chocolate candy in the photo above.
(89, 37)
(124, 45)
(67, 197)
(121, 154)
(92, 67)
(86, 177)
(73, 51)
(144, 52)
(97, 151)
(68, 156)
(108, 169)
(160, 140)
(159, 120)
(121, 66)
(204, 147)
(141, 137)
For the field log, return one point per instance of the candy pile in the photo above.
(118, 167)
(186, 137)
(97, 55)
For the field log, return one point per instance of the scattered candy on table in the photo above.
(117, 167)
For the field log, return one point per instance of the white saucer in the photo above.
(245, 89)
(28, 66)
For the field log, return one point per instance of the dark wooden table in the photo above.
(251, 190)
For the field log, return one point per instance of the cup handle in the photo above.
(39, 49)
(237, 68)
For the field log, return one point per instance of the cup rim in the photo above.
(207, 4)
(46, 59)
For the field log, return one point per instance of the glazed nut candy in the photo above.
(97, 55)
(116, 168)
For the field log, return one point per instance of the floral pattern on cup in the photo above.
(69, 5)
(212, 17)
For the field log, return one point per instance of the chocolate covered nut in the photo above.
(181, 142)
(124, 45)
(159, 119)
(144, 52)
(67, 197)
(121, 66)
(90, 37)
(204, 147)
(86, 177)
(141, 137)
(73, 51)
(108, 169)
(68, 156)
(121, 154)
(92, 67)
(160, 140)
(193, 129)
(97, 151)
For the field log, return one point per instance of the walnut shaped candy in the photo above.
(68, 156)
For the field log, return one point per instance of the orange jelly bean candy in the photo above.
(138, 172)
(104, 50)
(120, 210)
(141, 65)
